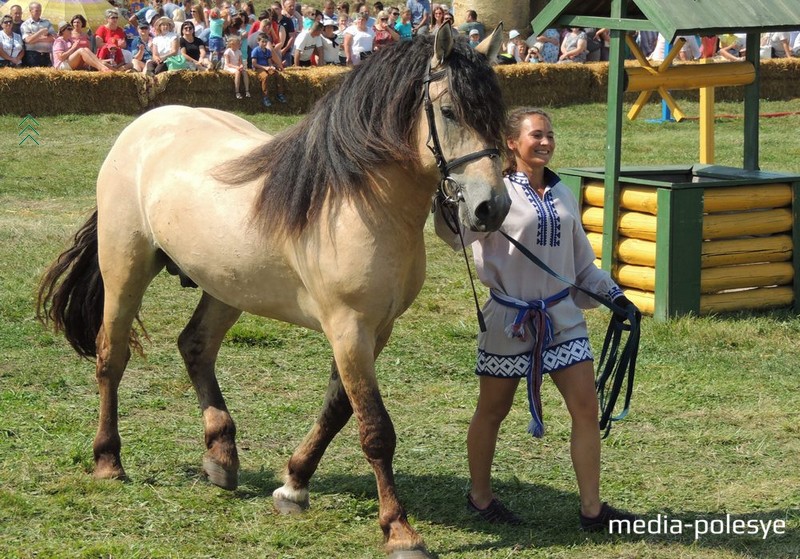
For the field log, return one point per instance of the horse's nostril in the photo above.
(484, 211)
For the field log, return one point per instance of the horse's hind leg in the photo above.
(199, 345)
(336, 411)
(124, 285)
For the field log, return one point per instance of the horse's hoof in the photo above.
(290, 501)
(417, 553)
(109, 468)
(219, 476)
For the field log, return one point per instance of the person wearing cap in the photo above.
(140, 47)
(12, 49)
(330, 42)
(69, 55)
(38, 35)
(516, 47)
(474, 38)
(110, 33)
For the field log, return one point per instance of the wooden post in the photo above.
(796, 243)
(678, 249)
(706, 122)
(751, 104)
(616, 71)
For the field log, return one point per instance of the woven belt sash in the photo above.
(533, 314)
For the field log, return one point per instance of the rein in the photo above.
(614, 365)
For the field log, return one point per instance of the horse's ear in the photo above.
(442, 45)
(491, 45)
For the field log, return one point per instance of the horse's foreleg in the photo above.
(355, 352)
(336, 411)
(199, 345)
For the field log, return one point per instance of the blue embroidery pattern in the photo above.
(548, 232)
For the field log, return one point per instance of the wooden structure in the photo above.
(698, 238)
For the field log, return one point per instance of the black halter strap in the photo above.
(448, 186)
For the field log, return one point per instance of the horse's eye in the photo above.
(449, 113)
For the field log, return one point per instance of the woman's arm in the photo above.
(175, 47)
(348, 47)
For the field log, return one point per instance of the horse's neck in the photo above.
(404, 197)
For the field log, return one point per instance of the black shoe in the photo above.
(495, 513)
(601, 522)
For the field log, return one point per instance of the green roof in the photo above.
(674, 17)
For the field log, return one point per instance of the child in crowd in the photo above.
(216, 40)
(267, 62)
(234, 65)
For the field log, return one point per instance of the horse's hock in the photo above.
(701, 239)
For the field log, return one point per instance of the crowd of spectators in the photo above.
(230, 37)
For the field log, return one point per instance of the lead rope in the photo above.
(451, 221)
(613, 364)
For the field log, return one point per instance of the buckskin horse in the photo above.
(320, 226)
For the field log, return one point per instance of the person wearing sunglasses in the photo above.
(68, 54)
(12, 48)
(110, 33)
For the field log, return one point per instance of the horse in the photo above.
(320, 226)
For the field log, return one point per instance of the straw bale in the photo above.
(48, 92)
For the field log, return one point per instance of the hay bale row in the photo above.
(48, 92)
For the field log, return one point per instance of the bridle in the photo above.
(450, 191)
(449, 188)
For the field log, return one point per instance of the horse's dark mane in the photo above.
(363, 124)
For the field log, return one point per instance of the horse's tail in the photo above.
(71, 292)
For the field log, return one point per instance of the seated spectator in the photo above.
(79, 34)
(516, 47)
(731, 46)
(113, 56)
(474, 38)
(780, 45)
(535, 53)
(193, 49)
(267, 62)
(472, 23)
(796, 45)
(69, 55)
(233, 64)
(403, 26)
(690, 51)
(164, 45)
(38, 36)
(308, 44)
(573, 46)
(420, 15)
(140, 47)
(12, 49)
(384, 34)
(330, 43)
(358, 40)
(198, 19)
(110, 33)
(550, 42)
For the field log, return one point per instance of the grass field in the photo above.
(714, 429)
